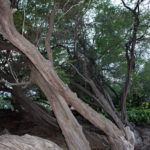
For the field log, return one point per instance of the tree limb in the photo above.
(129, 49)
(49, 34)
(16, 84)
(24, 18)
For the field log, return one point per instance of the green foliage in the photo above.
(5, 104)
(145, 79)
(100, 36)
(139, 116)
(145, 105)
(63, 75)
(139, 91)
(45, 105)
(18, 19)
(60, 56)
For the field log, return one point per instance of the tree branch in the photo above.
(24, 18)
(88, 93)
(124, 4)
(129, 49)
(16, 84)
(68, 10)
(49, 34)
(85, 78)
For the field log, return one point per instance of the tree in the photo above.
(59, 94)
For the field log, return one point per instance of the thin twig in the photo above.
(66, 3)
(24, 12)
(15, 84)
(68, 11)
(11, 70)
(79, 73)
(49, 34)
(124, 4)
(76, 26)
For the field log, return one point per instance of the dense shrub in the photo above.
(139, 115)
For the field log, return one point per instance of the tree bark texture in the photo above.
(26, 142)
(60, 93)
(70, 127)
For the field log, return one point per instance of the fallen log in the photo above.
(26, 142)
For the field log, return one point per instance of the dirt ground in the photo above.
(20, 124)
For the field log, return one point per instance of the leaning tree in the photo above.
(60, 96)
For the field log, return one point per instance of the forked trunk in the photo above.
(116, 137)
(70, 127)
(59, 93)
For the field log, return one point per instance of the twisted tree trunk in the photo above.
(70, 127)
(59, 93)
